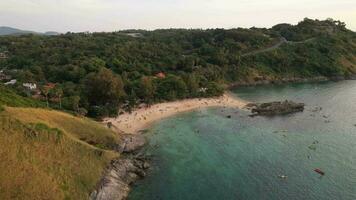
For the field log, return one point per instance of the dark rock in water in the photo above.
(277, 108)
(316, 109)
(146, 165)
(250, 105)
(229, 116)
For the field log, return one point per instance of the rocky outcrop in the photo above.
(275, 108)
(115, 185)
(131, 143)
(122, 172)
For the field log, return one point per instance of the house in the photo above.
(30, 86)
(49, 86)
(3, 55)
(3, 76)
(12, 82)
(160, 75)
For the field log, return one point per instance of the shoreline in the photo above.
(132, 165)
(142, 118)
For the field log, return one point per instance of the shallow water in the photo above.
(205, 155)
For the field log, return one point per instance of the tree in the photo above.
(46, 90)
(104, 88)
(58, 92)
(71, 103)
(214, 89)
(171, 88)
(147, 89)
(192, 83)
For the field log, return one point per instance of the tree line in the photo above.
(96, 73)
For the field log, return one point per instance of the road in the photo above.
(275, 46)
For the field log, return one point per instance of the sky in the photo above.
(113, 15)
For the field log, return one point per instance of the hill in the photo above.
(47, 154)
(5, 30)
(99, 73)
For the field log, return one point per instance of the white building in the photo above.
(31, 86)
(12, 82)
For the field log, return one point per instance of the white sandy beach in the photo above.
(141, 118)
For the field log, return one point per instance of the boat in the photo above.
(282, 176)
(319, 171)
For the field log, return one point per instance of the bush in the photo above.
(214, 89)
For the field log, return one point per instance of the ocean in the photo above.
(206, 155)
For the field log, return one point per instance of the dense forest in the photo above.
(94, 74)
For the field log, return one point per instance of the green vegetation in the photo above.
(51, 155)
(96, 73)
(10, 98)
(47, 154)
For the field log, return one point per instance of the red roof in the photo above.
(160, 75)
(50, 85)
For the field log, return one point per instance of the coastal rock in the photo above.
(123, 171)
(351, 77)
(131, 143)
(120, 174)
(277, 108)
(251, 105)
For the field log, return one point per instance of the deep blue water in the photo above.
(205, 155)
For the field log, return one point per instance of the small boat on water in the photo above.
(319, 171)
(282, 176)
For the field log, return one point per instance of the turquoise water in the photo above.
(205, 155)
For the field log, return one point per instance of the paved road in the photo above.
(281, 41)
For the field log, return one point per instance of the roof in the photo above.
(50, 85)
(161, 75)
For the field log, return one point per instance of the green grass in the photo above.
(83, 129)
(10, 98)
(43, 154)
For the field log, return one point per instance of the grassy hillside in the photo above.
(46, 154)
(78, 128)
(10, 98)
